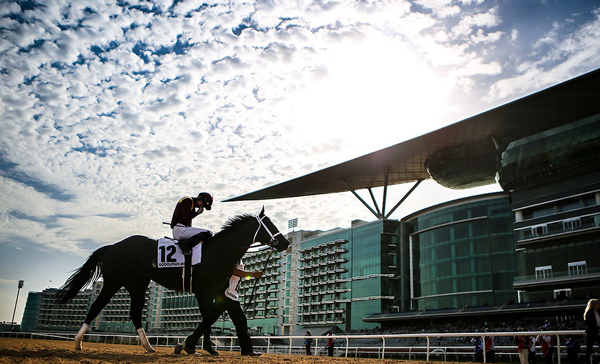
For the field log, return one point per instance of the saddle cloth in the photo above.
(169, 254)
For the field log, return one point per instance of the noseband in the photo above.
(273, 242)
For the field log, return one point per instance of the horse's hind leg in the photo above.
(108, 290)
(137, 293)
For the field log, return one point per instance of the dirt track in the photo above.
(32, 351)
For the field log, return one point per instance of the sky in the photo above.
(111, 111)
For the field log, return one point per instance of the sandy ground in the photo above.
(31, 351)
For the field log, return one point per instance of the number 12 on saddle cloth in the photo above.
(170, 255)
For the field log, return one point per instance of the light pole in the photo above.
(12, 322)
(292, 223)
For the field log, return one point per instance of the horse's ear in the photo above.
(262, 212)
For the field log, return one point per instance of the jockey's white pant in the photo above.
(182, 232)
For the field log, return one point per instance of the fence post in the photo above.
(427, 348)
(347, 344)
(558, 347)
(383, 349)
(483, 349)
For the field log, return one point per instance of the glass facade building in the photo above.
(31, 312)
(555, 154)
(53, 317)
(554, 178)
(460, 253)
(348, 274)
(42, 314)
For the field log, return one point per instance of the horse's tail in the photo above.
(89, 272)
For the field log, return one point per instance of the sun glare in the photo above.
(376, 93)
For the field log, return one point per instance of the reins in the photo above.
(273, 242)
(256, 282)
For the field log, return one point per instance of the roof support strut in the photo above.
(385, 186)
(376, 212)
(374, 202)
(363, 201)
(404, 198)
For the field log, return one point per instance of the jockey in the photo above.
(181, 222)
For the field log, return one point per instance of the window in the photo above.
(539, 230)
(572, 224)
(520, 296)
(576, 268)
(562, 294)
(543, 272)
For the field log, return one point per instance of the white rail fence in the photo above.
(379, 346)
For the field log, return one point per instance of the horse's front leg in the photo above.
(206, 327)
(210, 315)
(190, 342)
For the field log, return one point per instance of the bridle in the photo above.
(261, 224)
(272, 244)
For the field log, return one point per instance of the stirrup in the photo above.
(185, 248)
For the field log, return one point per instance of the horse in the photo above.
(132, 263)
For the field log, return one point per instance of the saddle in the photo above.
(170, 255)
(186, 245)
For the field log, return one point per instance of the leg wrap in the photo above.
(80, 335)
(144, 340)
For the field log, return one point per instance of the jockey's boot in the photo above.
(186, 245)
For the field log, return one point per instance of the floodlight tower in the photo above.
(293, 223)
(12, 321)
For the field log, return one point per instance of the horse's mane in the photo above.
(234, 222)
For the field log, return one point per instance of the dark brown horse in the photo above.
(132, 263)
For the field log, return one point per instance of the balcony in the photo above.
(556, 279)
(558, 229)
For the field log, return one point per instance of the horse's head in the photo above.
(268, 234)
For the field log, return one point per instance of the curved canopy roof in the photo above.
(404, 162)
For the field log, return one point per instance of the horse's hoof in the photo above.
(189, 350)
(212, 352)
(183, 347)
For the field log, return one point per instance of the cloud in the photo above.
(569, 55)
(486, 19)
(113, 111)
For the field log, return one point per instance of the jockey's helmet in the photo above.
(206, 198)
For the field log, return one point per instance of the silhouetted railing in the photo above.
(434, 346)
